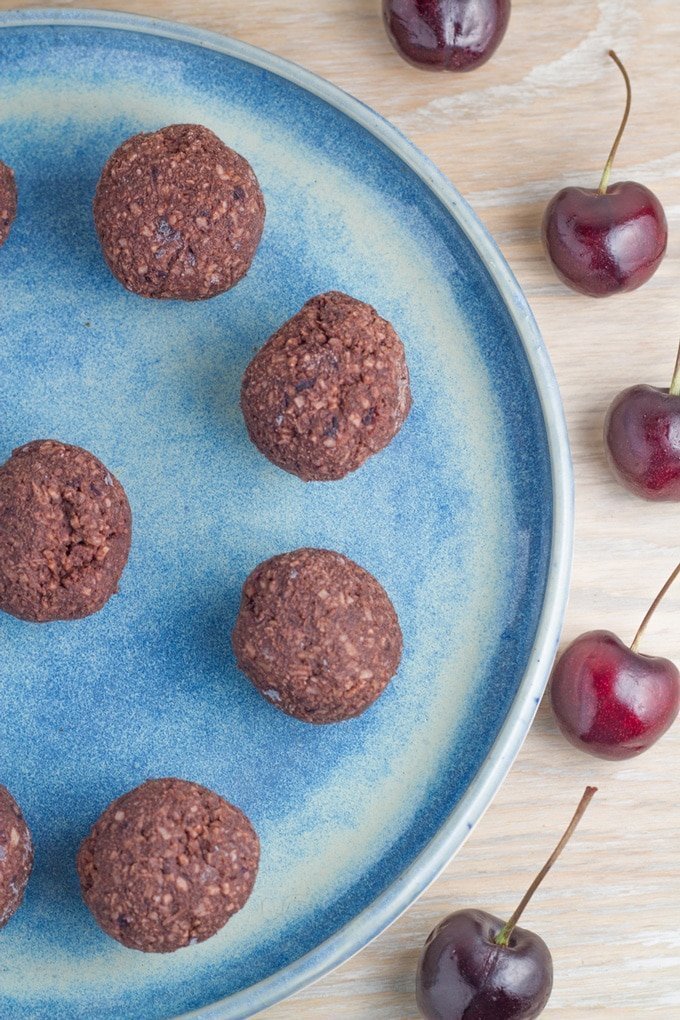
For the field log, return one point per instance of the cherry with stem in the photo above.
(611, 700)
(473, 964)
(642, 439)
(607, 240)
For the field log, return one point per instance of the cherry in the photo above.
(608, 240)
(642, 439)
(610, 700)
(446, 35)
(475, 967)
(465, 972)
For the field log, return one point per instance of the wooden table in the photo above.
(540, 115)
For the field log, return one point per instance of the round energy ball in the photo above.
(317, 635)
(8, 201)
(16, 856)
(167, 864)
(65, 529)
(179, 214)
(327, 390)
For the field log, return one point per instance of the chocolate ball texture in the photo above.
(167, 864)
(317, 635)
(328, 389)
(65, 529)
(178, 213)
(8, 201)
(16, 856)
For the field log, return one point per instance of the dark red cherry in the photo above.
(610, 700)
(475, 967)
(446, 35)
(605, 243)
(606, 240)
(463, 972)
(642, 439)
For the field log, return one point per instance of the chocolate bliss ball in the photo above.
(65, 529)
(327, 390)
(179, 214)
(16, 856)
(317, 635)
(8, 201)
(167, 864)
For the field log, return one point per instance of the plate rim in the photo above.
(369, 923)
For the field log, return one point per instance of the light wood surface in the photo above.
(541, 114)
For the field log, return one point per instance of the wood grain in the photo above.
(540, 115)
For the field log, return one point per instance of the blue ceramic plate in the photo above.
(465, 518)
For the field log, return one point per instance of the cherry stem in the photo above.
(675, 381)
(504, 934)
(654, 606)
(604, 183)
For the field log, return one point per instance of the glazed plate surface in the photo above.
(465, 518)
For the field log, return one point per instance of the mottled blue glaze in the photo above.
(465, 519)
